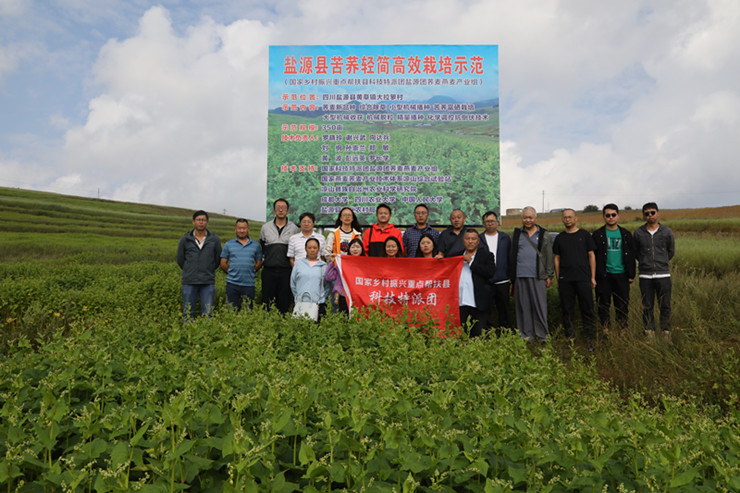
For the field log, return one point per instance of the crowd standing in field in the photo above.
(299, 267)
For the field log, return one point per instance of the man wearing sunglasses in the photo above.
(615, 267)
(655, 247)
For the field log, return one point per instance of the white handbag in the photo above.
(306, 308)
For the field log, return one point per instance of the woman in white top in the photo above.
(347, 229)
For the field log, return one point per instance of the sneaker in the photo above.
(667, 336)
(650, 334)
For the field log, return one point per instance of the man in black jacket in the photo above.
(499, 244)
(615, 267)
(655, 246)
(198, 255)
(475, 291)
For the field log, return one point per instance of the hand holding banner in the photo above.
(424, 287)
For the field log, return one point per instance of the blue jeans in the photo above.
(236, 294)
(191, 293)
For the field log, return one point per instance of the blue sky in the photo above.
(166, 103)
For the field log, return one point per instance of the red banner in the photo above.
(426, 288)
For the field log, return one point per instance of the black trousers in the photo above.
(616, 287)
(479, 319)
(569, 292)
(650, 289)
(501, 294)
(276, 289)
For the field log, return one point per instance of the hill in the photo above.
(43, 212)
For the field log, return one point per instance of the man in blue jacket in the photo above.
(198, 255)
(655, 247)
(499, 244)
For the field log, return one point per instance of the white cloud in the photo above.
(13, 7)
(626, 102)
(15, 173)
(67, 183)
(182, 119)
(674, 137)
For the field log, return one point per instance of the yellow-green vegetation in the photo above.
(103, 388)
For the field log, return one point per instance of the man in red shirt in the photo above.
(375, 236)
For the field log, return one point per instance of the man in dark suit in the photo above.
(498, 243)
(475, 291)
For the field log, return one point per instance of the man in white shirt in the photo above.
(297, 242)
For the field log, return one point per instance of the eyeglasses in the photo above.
(613, 214)
(650, 213)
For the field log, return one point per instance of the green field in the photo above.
(103, 388)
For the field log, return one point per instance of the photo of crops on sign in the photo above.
(104, 388)
(469, 154)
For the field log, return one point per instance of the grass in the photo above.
(252, 401)
(93, 347)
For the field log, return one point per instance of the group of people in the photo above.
(581, 262)
(299, 265)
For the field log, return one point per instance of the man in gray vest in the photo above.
(531, 268)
